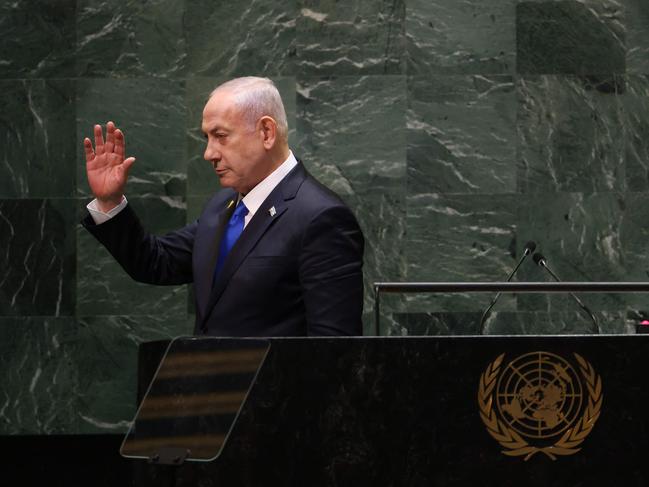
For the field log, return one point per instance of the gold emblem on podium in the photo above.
(539, 402)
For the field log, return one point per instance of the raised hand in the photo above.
(106, 167)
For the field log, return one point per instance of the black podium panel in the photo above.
(63, 461)
(448, 411)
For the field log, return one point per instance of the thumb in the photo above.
(126, 165)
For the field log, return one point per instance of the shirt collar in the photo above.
(259, 193)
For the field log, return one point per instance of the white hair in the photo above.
(257, 97)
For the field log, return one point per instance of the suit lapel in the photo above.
(208, 251)
(259, 224)
(268, 214)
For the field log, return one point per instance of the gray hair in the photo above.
(256, 98)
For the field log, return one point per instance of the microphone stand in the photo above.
(540, 260)
(529, 248)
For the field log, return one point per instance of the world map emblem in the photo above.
(540, 402)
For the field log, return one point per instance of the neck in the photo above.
(272, 162)
(278, 157)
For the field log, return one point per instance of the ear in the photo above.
(268, 131)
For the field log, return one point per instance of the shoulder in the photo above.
(313, 196)
(320, 209)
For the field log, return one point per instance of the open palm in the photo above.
(106, 166)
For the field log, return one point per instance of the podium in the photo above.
(421, 411)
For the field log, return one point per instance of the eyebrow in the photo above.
(205, 132)
(218, 128)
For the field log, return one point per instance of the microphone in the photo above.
(539, 259)
(529, 248)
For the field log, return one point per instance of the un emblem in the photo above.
(539, 403)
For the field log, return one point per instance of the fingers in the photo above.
(87, 148)
(99, 140)
(110, 137)
(119, 144)
(114, 143)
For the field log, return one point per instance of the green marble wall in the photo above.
(457, 131)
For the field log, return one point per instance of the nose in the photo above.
(211, 153)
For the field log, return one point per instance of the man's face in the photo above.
(234, 148)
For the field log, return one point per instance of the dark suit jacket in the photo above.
(294, 271)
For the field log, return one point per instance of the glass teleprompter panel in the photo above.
(194, 399)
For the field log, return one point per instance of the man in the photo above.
(274, 254)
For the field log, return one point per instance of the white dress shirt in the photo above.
(259, 193)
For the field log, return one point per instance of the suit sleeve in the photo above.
(331, 273)
(145, 257)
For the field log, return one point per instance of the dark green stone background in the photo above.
(457, 131)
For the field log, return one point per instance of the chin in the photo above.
(223, 179)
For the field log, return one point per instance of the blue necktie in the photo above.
(232, 233)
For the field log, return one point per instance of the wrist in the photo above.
(105, 205)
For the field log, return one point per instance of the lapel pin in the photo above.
(272, 211)
(229, 205)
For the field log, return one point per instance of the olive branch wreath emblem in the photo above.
(515, 445)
